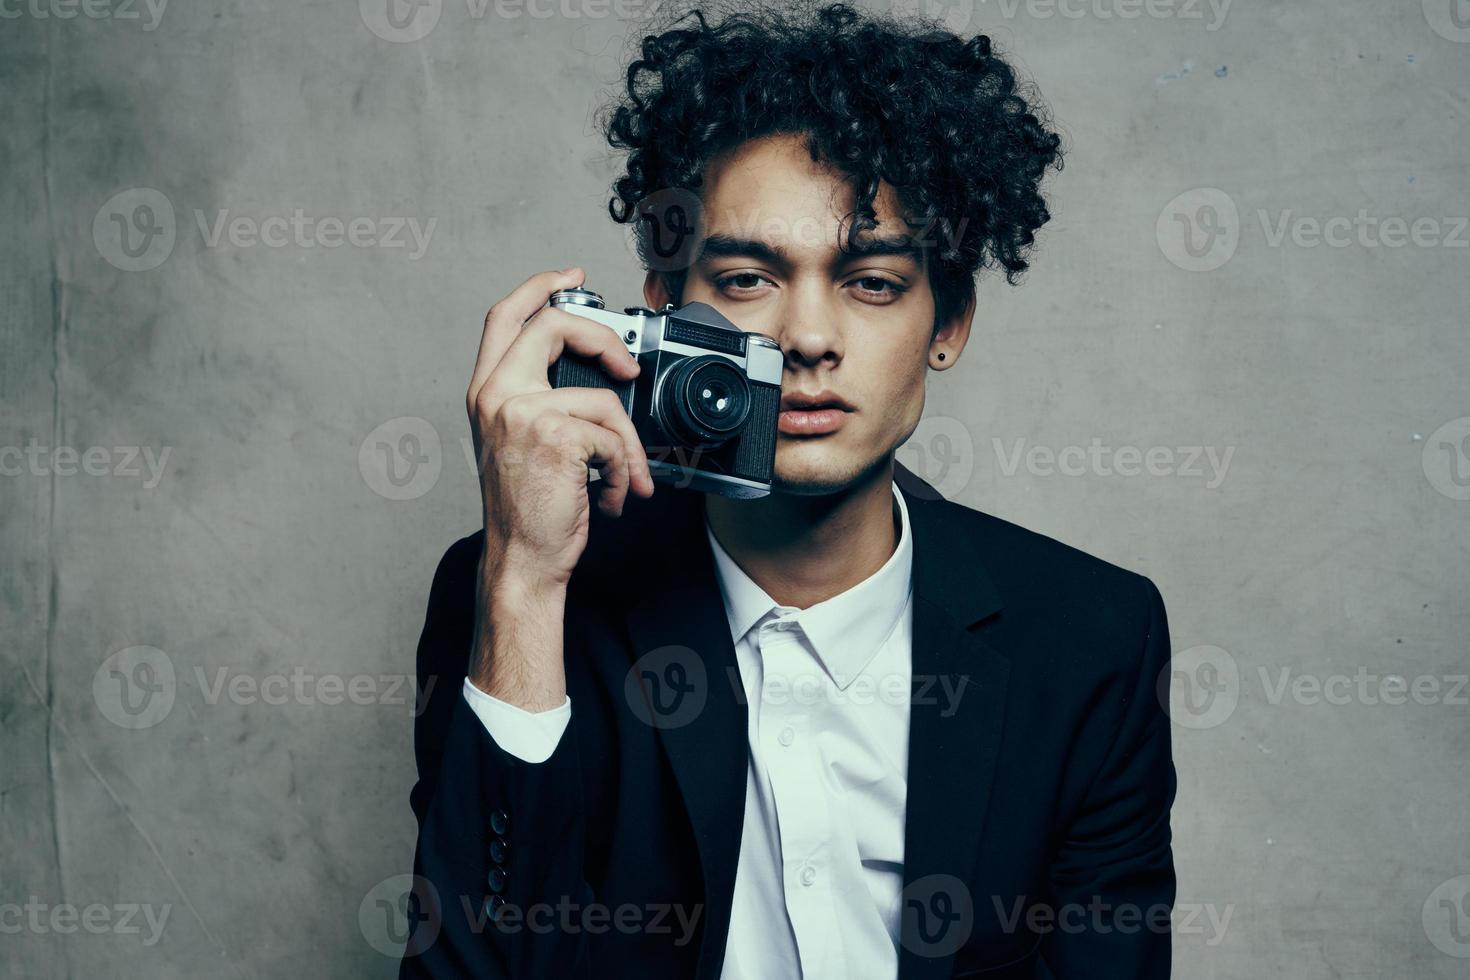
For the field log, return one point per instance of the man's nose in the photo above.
(810, 328)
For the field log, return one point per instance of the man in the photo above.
(850, 729)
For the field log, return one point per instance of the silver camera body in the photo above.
(706, 400)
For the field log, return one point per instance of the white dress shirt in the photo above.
(820, 869)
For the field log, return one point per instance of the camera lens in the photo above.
(705, 400)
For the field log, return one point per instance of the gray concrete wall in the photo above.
(174, 739)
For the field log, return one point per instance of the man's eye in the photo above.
(741, 280)
(878, 285)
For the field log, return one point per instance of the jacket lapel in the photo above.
(688, 678)
(686, 668)
(955, 721)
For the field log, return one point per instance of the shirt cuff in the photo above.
(530, 736)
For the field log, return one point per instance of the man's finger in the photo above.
(605, 450)
(552, 332)
(503, 322)
(598, 406)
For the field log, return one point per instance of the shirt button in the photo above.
(787, 736)
(499, 821)
(808, 875)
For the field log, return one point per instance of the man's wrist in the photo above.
(518, 642)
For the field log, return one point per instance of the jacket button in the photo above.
(499, 850)
(497, 879)
(493, 905)
(499, 821)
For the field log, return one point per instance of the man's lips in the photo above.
(812, 413)
(810, 422)
(801, 401)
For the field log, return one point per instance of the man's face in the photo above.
(857, 326)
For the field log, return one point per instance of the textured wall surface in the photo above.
(233, 446)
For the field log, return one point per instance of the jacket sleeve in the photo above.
(1112, 876)
(498, 869)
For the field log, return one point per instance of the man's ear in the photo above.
(952, 335)
(655, 291)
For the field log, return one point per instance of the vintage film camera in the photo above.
(706, 401)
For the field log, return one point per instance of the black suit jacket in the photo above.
(1037, 840)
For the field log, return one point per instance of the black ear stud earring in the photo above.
(941, 355)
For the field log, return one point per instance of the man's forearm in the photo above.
(517, 652)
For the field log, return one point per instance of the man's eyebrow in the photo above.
(901, 246)
(729, 246)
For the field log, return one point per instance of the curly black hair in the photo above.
(942, 118)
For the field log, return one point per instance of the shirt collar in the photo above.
(846, 630)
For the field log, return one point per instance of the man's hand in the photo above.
(534, 444)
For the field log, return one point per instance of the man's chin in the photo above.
(819, 474)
